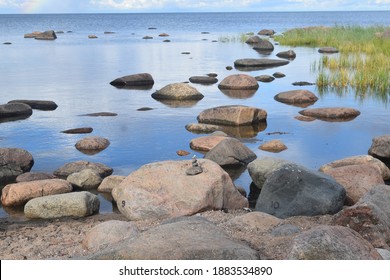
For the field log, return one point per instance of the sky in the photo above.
(137, 6)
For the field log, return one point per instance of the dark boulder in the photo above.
(44, 105)
(13, 162)
(47, 35)
(290, 54)
(14, 111)
(250, 64)
(203, 80)
(337, 114)
(136, 80)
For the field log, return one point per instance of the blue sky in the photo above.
(109, 6)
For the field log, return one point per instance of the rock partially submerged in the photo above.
(73, 167)
(14, 111)
(44, 105)
(380, 148)
(92, 145)
(239, 82)
(206, 80)
(274, 146)
(290, 54)
(337, 114)
(80, 130)
(300, 98)
(46, 35)
(328, 50)
(178, 91)
(135, 80)
(234, 115)
(14, 162)
(258, 63)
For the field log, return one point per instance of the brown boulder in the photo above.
(110, 182)
(356, 179)
(34, 176)
(13, 162)
(300, 98)
(73, 167)
(92, 144)
(239, 82)
(274, 146)
(135, 80)
(178, 91)
(380, 147)
(163, 189)
(232, 115)
(20, 193)
(331, 114)
(205, 143)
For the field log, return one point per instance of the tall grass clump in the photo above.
(362, 64)
(240, 38)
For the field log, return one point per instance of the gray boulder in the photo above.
(135, 80)
(110, 182)
(203, 80)
(34, 176)
(85, 179)
(265, 78)
(186, 238)
(328, 50)
(258, 63)
(44, 105)
(178, 91)
(46, 35)
(261, 168)
(73, 167)
(293, 190)
(239, 82)
(234, 115)
(300, 98)
(331, 114)
(380, 147)
(231, 152)
(14, 162)
(92, 144)
(76, 204)
(266, 32)
(263, 45)
(14, 111)
(332, 243)
(290, 54)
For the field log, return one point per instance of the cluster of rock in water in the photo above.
(351, 192)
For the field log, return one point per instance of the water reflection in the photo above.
(239, 93)
(244, 131)
(178, 103)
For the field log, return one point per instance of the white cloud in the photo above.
(129, 4)
(11, 3)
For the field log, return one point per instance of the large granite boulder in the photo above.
(206, 143)
(231, 152)
(19, 193)
(14, 111)
(300, 98)
(73, 167)
(250, 64)
(357, 160)
(232, 115)
(163, 189)
(331, 114)
(370, 216)
(44, 105)
(380, 147)
(14, 162)
(293, 190)
(332, 243)
(356, 179)
(239, 82)
(135, 80)
(76, 204)
(178, 91)
(261, 168)
(186, 238)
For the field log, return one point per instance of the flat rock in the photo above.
(205, 143)
(44, 105)
(303, 83)
(177, 194)
(258, 222)
(356, 160)
(178, 91)
(101, 114)
(73, 167)
(203, 80)
(14, 162)
(14, 110)
(328, 50)
(380, 147)
(273, 146)
(80, 130)
(85, 179)
(258, 63)
(110, 182)
(261, 168)
(32, 34)
(234, 115)
(34, 176)
(202, 128)
(304, 118)
(76, 204)
(265, 78)
(182, 153)
(370, 216)
(356, 179)
(332, 243)
(46, 35)
(93, 144)
(141, 79)
(231, 152)
(187, 238)
(108, 233)
(278, 75)
(300, 98)
(20, 193)
(331, 114)
(293, 190)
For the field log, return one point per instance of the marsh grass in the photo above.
(363, 62)
(241, 38)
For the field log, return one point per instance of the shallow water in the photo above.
(75, 72)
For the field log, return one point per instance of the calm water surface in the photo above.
(75, 72)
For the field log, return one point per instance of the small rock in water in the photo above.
(182, 153)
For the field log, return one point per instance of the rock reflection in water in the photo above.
(244, 131)
(178, 103)
(239, 93)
